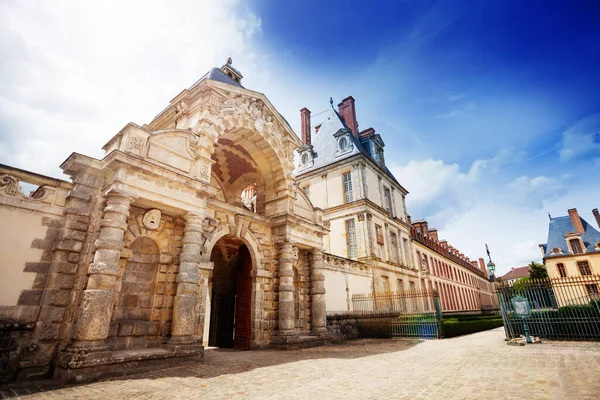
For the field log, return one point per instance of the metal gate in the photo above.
(412, 314)
(561, 308)
(222, 315)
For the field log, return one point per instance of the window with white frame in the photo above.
(347, 179)
(387, 200)
(351, 238)
(393, 248)
(584, 268)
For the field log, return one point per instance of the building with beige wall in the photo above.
(573, 251)
(343, 171)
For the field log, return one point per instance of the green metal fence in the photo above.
(412, 314)
(560, 308)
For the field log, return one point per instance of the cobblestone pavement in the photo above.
(478, 366)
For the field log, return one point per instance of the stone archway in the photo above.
(230, 292)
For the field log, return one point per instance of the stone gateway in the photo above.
(189, 232)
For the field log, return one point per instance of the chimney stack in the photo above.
(576, 220)
(348, 112)
(444, 244)
(305, 120)
(482, 264)
(421, 226)
(433, 234)
(597, 216)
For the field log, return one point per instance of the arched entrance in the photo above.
(231, 297)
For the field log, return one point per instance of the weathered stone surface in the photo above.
(93, 320)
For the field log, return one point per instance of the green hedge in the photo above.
(453, 327)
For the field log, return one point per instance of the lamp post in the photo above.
(491, 267)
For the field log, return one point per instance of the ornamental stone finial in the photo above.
(229, 60)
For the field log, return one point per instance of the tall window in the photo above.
(584, 268)
(393, 248)
(387, 200)
(561, 270)
(576, 246)
(347, 178)
(351, 238)
(405, 248)
(400, 285)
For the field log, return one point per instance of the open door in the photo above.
(243, 300)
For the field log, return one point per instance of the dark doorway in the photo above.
(231, 295)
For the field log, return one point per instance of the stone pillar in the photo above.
(96, 308)
(319, 315)
(185, 312)
(286, 290)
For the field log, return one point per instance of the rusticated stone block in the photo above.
(47, 331)
(61, 281)
(42, 244)
(51, 223)
(73, 257)
(57, 297)
(37, 267)
(64, 267)
(40, 281)
(30, 297)
(94, 315)
(52, 314)
(69, 245)
(75, 225)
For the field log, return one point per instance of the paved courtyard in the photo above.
(478, 366)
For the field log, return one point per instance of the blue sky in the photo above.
(490, 110)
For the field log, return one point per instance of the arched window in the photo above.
(248, 197)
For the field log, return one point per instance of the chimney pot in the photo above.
(305, 121)
(576, 220)
(347, 110)
(597, 216)
(433, 233)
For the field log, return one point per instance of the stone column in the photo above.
(96, 308)
(319, 316)
(185, 312)
(286, 290)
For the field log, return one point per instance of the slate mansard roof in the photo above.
(325, 144)
(560, 226)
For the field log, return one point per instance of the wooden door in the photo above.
(243, 301)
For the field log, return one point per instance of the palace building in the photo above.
(211, 225)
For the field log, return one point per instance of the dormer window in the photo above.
(555, 250)
(378, 154)
(344, 143)
(576, 246)
(306, 157)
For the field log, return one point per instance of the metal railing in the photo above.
(414, 314)
(560, 308)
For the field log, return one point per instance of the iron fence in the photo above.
(414, 314)
(560, 308)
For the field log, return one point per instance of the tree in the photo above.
(537, 270)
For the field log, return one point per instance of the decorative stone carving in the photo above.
(136, 145)
(361, 217)
(152, 219)
(10, 185)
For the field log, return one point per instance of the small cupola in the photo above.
(232, 72)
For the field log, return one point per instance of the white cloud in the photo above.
(581, 139)
(478, 206)
(73, 73)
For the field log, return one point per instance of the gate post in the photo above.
(438, 315)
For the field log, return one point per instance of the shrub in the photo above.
(453, 327)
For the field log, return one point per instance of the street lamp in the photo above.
(491, 267)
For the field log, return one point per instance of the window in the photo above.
(305, 158)
(592, 289)
(561, 270)
(575, 246)
(347, 178)
(379, 234)
(306, 190)
(405, 247)
(387, 200)
(584, 268)
(400, 285)
(393, 248)
(351, 238)
(343, 144)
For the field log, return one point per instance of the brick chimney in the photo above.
(421, 226)
(444, 244)
(367, 133)
(482, 265)
(475, 264)
(348, 112)
(576, 220)
(433, 234)
(305, 120)
(597, 216)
